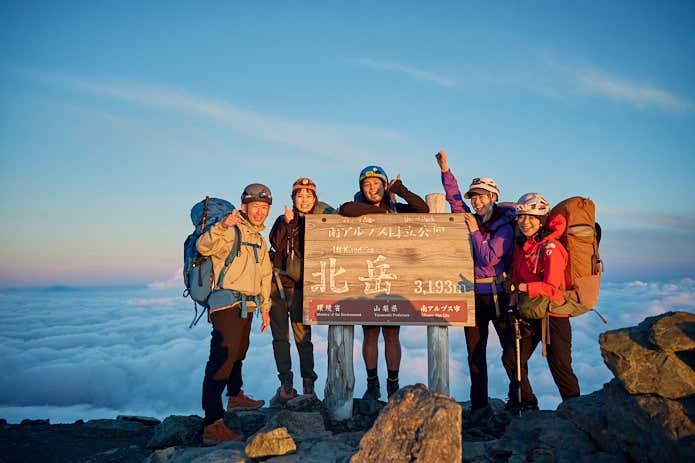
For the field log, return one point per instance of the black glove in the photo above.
(510, 286)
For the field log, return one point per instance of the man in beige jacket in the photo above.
(247, 278)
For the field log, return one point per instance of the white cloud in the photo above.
(334, 142)
(176, 281)
(414, 73)
(620, 89)
(89, 352)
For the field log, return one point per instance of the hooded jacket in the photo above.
(244, 274)
(540, 261)
(493, 242)
(284, 236)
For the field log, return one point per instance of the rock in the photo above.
(491, 429)
(642, 427)
(300, 425)
(177, 430)
(228, 452)
(35, 422)
(247, 422)
(3, 422)
(636, 356)
(542, 436)
(416, 425)
(146, 420)
(114, 427)
(305, 403)
(97, 441)
(333, 449)
(273, 443)
(675, 332)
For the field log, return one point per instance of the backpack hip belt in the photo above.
(494, 282)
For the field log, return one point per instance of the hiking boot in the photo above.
(218, 432)
(286, 391)
(243, 402)
(309, 386)
(512, 405)
(392, 386)
(530, 406)
(373, 390)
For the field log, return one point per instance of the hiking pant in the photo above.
(228, 346)
(476, 343)
(559, 359)
(281, 314)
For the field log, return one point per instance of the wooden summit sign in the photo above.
(381, 269)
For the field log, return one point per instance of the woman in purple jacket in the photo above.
(492, 237)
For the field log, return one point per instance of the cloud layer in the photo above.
(99, 353)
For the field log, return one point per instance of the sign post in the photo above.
(385, 269)
(437, 336)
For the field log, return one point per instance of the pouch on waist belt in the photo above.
(223, 299)
(493, 282)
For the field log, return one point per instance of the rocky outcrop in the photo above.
(416, 425)
(646, 414)
(655, 357)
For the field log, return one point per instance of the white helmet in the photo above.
(482, 185)
(532, 204)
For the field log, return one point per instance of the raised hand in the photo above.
(442, 160)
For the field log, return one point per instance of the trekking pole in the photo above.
(517, 339)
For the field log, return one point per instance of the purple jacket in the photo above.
(493, 244)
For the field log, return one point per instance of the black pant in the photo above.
(476, 343)
(559, 359)
(281, 314)
(228, 346)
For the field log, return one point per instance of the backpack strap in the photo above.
(255, 247)
(232, 254)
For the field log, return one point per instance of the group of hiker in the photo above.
(516, 253)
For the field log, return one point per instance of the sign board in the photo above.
(381, 269)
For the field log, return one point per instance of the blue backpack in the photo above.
(197, 269)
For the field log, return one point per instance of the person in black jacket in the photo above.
(378, 196)
(287, 240)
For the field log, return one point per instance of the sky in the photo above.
(116, 117)
(92, 353)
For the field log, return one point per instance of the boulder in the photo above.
(177, 430)
(228, 452)
(247, 422)
(300, 425)
(655, 357)
(416, 425)
(305, 403)
(642, 427)
(543, 436)
(268, 444)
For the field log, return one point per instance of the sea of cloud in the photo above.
(97, 353)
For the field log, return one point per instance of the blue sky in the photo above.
(115, 117)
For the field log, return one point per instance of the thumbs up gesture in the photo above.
(289, 214)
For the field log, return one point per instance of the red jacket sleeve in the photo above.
(553, 284)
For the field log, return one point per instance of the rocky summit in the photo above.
(645, 414)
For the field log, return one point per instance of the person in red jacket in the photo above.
(538, 277)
